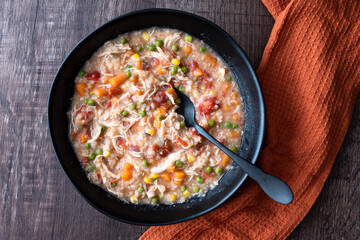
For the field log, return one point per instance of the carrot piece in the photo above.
(198, 72)
(157, 124)
(225, 86)
(83, 137)
(81, 88)
(234, 134)
(126, 175)
(225, 159)
(166, 177)
(235, 117)
(187, 49)
(117, 80)
(159, 70)
(171, 168)
(134, 79)
(138, 64)
(128, 166)
(226, 107)
(179, 177)
(234, 94)
(172, 92)
(101, 92)
(211, 60)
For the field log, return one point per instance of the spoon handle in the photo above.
(274, 187)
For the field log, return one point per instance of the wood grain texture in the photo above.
(36, 200)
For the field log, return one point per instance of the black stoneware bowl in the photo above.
(63, 89)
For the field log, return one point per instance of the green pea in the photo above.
(234, 126)
(87, 145)
(178, 101)
(91, 102)
(99, 152)
(82, 73)
(113, 184)
(188, 38)
(234, 149)
(159, 117)
(227, 124)
(139, 48)
(174, 69)
(185, 69)
(178, 163)
(199, 179)
(128, 66)
(218, 170)
(92, 156)
(196, 189)
(209, 169)
(141, 189)
(152, 47)
(182, 124)
(92, 167)
(103, 128)
(123, 40)
(183, 188)
(142, 113)
(128, 74)
(211, 123)
(203, 49)
(159, 43)
(124, 113)
(181, 88)
(175, 47)
(145, 163)
(228, 78)
(169, 102)
(85, 101)
(155, 200)
(133, 106)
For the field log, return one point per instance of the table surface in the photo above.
(37, 201)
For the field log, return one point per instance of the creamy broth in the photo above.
(124, 127)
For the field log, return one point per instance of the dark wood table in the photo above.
(37, 201)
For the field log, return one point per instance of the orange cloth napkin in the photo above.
(310, 77)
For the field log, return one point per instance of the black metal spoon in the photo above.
(274, 187)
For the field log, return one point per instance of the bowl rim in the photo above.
(197, 18)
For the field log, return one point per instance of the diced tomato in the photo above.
(72, 134)
(208, 175)
(208, 105)
(121, 142)
(207, 83)
(108, 104)
(114, 91)
(156, 61)
(182, 142)
(194, 132)
(84, 161)
(160, 98)
(192, 64)
(134, 148)
(95, 75)
(151, 151)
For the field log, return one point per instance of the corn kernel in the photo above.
(154, 175)
(106, 154)
(191, 158)
(150, 131)
(124, 86)
(176, 62)
(133, 199)
(146, 36)
(186, 193)
(147, 180)
(172, 197)
(157, 124)
(237, 103)
(135, 56)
